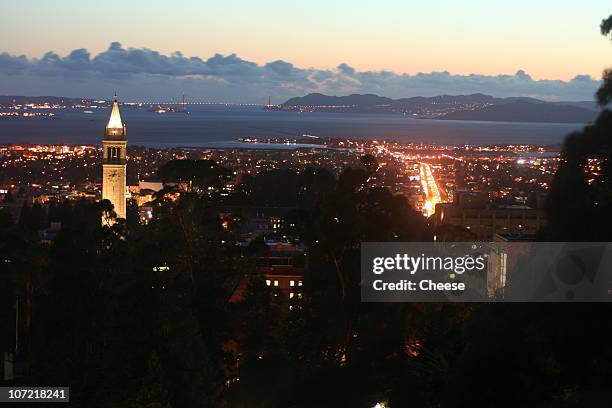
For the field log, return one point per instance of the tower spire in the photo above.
(114, 122)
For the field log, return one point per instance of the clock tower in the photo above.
(114, 147)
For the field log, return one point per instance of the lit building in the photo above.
(473, 211)
(114, 162)
(282, 272)
(281, 267)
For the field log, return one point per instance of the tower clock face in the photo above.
(112, 174)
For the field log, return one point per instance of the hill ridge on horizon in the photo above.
(297, 100)
(476, 106)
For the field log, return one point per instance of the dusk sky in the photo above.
(245, 50)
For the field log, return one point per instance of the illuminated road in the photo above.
(430, 189)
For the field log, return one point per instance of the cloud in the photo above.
(144, 73)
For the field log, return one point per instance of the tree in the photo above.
(194, 173)
(579, 204)
(6, 219)
(369, 162)
(604, 94)
(153, 392)
(276, 188)
(109, 216)
(8, 198)
(564, 348)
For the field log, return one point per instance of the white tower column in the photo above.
(114, 147)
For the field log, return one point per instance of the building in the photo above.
(114, 162)
(283, 271)
(281, 266)
(504, 256)
(155, 185)
(473, 211)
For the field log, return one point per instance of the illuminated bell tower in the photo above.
(114, 147)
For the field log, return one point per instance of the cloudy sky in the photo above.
(243, 51)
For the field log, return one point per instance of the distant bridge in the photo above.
(182, 101)
(192, 103)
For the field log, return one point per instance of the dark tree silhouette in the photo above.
(579, 206)
(369, 162)
(604, 94)
(194, 173)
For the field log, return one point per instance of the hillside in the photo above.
(456, 107)
(522, 111)
(317, 99)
